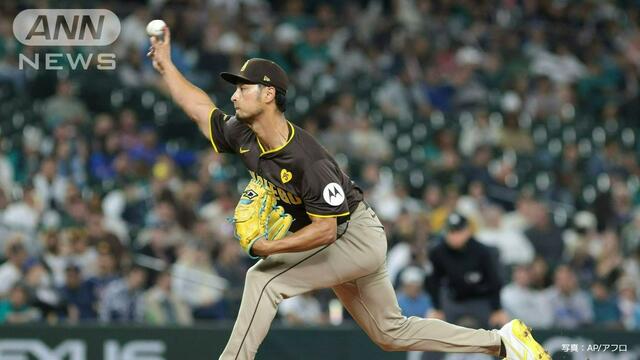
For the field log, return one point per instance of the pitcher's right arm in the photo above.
(193, 101)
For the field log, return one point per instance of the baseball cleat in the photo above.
(520, 344)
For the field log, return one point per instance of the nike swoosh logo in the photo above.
(243, 150)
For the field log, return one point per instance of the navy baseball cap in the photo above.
(259, 71)
(455, 222)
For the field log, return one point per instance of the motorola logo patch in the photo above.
(333, 194)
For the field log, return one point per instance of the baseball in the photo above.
(155, 27)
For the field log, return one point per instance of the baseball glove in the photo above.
(257, 215)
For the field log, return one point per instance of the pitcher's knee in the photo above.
(387, 343)
(388, 337)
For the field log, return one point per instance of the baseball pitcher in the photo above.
(309, 223)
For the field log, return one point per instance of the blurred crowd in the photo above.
(521, 115)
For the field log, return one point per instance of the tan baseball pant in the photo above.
(354, 267)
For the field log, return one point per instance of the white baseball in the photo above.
(155, 27)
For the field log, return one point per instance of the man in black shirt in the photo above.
(337, 240)
(465, 285)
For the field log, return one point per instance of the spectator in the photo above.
(107, 272)
(232, 267)
(583, 235)
(24, 215)
(571, 306)
(39, 283)
(545, 236)
(478, 132)
(157, 245)
(631, 233)
(129, 135)
(162, 306)
(303, 309)
(439, 215)
(520, 219)
(410, 248)
(4, 201)
(122, 299)
(514, 138)
(133, 34)
(632, 267)
(53, 256)
(522, 302)
(609, 265)
(79, 296)
(50, 186)
(70, 157)
(81, 253)
(148, 150)
(412, 298)
(443, 156)
(473, 203)
(102, 163)
(513, 246)
(11, 270)
(64, 106)
(583, 244)
(605, 306)
(628, 304)
(16, 309)
(165, 216)
(544, 101)
(197, 283)
(367, 142)
(6, 175)
(101, 239)
(75, 213)
(540, 274)
(476, 169)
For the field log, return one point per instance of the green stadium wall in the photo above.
(95, 342)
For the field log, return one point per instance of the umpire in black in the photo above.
(465, 283)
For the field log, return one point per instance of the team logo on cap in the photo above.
(266, 78)
(245, 65)
(333, 194)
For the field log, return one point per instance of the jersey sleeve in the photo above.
(222, 131)
(322, 192)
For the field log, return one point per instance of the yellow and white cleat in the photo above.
(520, 344)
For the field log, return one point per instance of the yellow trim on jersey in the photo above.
(329, 216)
(211, 130)
(263, 152)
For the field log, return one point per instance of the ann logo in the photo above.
(55, 28)
(66, 27)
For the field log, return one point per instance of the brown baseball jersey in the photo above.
(307, 180)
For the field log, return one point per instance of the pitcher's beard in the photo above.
(246, 119)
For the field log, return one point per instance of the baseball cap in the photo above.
(412, 275)
(259, 71)
(455, 222)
